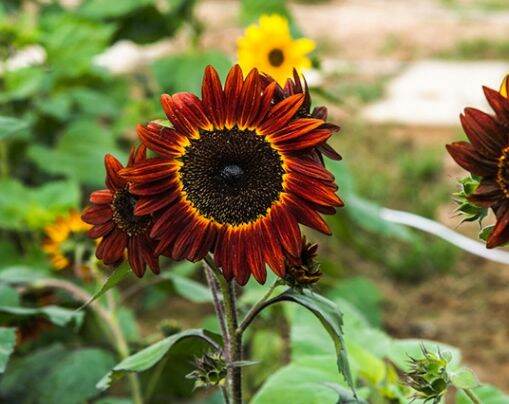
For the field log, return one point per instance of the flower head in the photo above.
(233, 176)
(112, 215)
(62, 238)
(210, 370)
(304, 270)
(269, 47)
(487, 157)
(428, 376)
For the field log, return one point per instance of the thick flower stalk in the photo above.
(486, 156)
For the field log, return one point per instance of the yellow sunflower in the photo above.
(504, 87)
(270, 48)
(61, 238)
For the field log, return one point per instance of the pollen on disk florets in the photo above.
(231, 176)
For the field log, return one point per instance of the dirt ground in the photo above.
(467, 307)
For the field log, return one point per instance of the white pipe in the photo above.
(430, 226)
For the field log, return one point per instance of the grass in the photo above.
(478, 48)
(483, 5)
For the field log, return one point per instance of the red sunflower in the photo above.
(487, 156)
(113, 220)
(233, 176)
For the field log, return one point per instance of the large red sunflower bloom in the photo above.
(233, 176)
(487, 156)
(112, 215)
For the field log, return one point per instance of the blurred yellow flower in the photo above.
(503, 87)
(270, 48)
(61, 238)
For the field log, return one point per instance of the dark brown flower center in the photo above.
(123, 214)
(276, 57)
(503, 171)
(231, 176)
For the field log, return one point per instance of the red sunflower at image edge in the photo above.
(235, 176)
(113, 220)
(487, 156)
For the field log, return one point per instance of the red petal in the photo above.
(308, 167)
(185, 112)
(167, 146)
(250, 100)
(151, 205)
(302, 142)
(483, 132)
(135, 257)
(113, 179)
(151, 170)
(104, 196)
(213, 98)
(232, 90)
(465, 155)
(272, 250)
(286, 229)
(487, 194)
(101, 230)
(265, 105)
(111, 248)
(254, 253)
(281, 113)
(500, 233)
(97, 214)
(499, 103)
(312, 191)
(305, 215)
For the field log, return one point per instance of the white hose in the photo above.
(437, 229)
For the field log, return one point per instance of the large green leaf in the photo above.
(55, 375)
(150, 356)
(331, 318)
(72, 42)
(57, 315)
(7, 341)
(15, 274)
(301, 382)
(22, 207)
(79, 153)
(13, 128)
(9, 296)
(184, 72)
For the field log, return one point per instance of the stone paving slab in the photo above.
(433, 93)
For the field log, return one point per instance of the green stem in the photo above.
(118, 337)
(233, 350)
(472, 396)
(255, 309)
(4, 160)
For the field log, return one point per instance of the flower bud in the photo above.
(210, 370)
(428, 376)
(303, 271)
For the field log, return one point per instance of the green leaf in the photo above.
(13, 128)
(79, 153)
(330, 317)
(57, 315)
(7, 342)
(463, 378)
(13, 275)
(363, 294)
(301, 381)
(55, 375)
(22, 207)
(101, 9)
(23, 83)
(150, 356)
(184, 72)
(118, 275)
(71, 43)
(486, 393)
(189, 289)
(9, 296)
